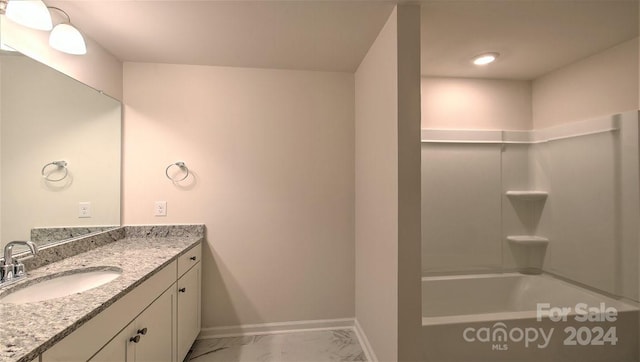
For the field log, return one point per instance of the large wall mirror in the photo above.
(60, 154)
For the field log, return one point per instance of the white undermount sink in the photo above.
(60, 285)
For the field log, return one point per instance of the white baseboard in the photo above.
(272, 328)
(364, 342)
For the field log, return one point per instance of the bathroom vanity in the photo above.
(151, 312)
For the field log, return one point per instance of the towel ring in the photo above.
(58, 164)
(182, 166)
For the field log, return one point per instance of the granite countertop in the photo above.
(29, 329)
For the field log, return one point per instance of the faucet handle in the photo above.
(18, 270)
(8, 255)
(12, 269)
(6, 272)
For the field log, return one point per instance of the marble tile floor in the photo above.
(310, 346)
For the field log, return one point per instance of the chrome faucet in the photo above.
(12, 269)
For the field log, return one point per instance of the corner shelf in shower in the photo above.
(528, 240)
(532, 195)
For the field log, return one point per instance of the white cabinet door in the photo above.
(188, 309)
(155, 326)
(118, 349)
(148, 338)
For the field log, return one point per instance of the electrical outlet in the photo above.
(160, 208)
(84, 209)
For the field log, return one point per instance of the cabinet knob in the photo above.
(192, 258)
(142, 331)
(182, 290)
(135, 339)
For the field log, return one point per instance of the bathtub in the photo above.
(515, 317)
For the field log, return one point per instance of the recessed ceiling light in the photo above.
(486, 58)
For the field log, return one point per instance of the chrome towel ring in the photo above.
(182, 167)
(59, 165)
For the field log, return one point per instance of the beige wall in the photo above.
(600, 85)
(597, 86)
(271, 156)
(98, 68)
(388, 190)
(409, 190)
(377, 193)
(465, 103)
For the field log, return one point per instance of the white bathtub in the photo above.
(482, 317)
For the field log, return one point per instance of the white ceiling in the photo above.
(312, 35)
(533, 36)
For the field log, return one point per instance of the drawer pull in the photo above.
(192, 258)
(135, 339)
(142, 331)
(182, 290)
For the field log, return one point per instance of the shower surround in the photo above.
(561, 202)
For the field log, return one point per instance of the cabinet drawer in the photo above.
(189, 259)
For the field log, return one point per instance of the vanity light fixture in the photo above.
(485, 58)
(30, 13)
(66, 38)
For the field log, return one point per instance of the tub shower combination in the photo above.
(530, 247)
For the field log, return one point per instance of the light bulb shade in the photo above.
(67, 39)
(30, 13)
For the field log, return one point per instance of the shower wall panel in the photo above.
(461, 195)
(583, 208)
(593, 204)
